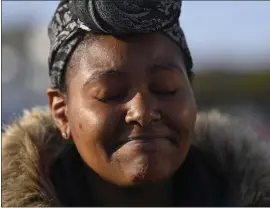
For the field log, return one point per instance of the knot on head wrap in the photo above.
(127, 17)
(75, 18)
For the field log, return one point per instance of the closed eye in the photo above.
(170, 92)
(118, 97)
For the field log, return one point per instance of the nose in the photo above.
(143, 110)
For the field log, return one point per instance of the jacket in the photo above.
(228, 165)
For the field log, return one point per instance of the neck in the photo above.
(151, 194)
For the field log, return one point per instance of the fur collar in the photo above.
(31, 145)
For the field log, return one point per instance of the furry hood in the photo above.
(31, 144)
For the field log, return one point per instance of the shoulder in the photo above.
(237, 153)
(29, 146)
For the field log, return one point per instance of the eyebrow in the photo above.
(97, 75)
(166, 67)
(116, 73)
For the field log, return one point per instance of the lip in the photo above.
(146, 137)
(144, 140)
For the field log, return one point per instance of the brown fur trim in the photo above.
(28, 148)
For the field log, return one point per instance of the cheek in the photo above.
(181, 115)
(92, 127)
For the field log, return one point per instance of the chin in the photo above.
(146, 164)
(144, 171)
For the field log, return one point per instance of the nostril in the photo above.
(142, 109)
(144, 118)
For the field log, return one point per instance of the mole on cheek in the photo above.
(80, 126)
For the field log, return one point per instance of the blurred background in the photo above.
(229, 41)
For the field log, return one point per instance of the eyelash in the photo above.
(122, 96)
(113, 98)
(166, 93)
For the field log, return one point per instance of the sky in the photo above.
(239, 29)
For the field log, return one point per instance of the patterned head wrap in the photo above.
(73, 19)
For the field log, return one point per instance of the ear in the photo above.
(58, 106)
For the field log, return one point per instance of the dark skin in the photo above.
(130, 110)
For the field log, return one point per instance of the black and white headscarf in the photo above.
(75, 18)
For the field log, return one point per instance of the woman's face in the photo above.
(130, 108)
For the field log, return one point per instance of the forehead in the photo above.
(128, 52)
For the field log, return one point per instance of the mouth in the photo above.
(145, 140)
